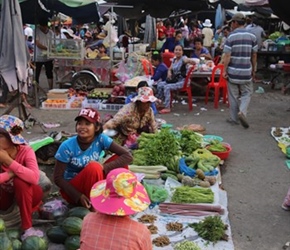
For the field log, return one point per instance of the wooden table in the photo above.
(267, 54)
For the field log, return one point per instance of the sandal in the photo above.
(164, 111)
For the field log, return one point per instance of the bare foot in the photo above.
(2, 105)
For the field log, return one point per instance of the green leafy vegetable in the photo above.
(186, 245)
(189, 141)
(185, 194)
(211, 228)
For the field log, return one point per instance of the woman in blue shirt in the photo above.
(199, 50)
(160, 72)
(77, 168)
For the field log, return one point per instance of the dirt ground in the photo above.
(255, 175)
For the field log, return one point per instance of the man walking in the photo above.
(240, 57)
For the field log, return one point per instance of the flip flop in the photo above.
(164, 111)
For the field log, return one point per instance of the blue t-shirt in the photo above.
(129, 100)
(160, 72)
(70, 152)
(203, 51)
(169, 44)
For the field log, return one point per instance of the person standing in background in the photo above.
(43, 35)
(240, 58)
(207, 34)
(169, 31)
(256, 29)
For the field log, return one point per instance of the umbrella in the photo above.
(13, 50)
(218, 17)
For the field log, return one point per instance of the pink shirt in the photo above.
(109, 232)
(24, 166)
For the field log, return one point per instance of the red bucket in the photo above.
(224, 155)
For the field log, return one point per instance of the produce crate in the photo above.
(110, 106)
(48, 104)
(66, 49)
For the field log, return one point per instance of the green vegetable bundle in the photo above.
(185, 194)
(186, 245)
(189, 141)
(211, 228)
(156, 149)
(156, 194)
(216, 146)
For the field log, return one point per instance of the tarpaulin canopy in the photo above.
(13, 50)
(281, 9)
(159, 8)
(83, 11)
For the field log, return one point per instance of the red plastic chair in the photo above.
(186, 88)
(221, 84)
(147, 67)
(216, 60)
(167, 57)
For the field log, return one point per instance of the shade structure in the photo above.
(13, 50)
(83, 11)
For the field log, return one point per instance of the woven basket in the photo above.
(11, 216)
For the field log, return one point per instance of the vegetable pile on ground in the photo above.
(156, 149)
(184, 194)
(211, 228)
(186, 245)
(68, 230)
(10, 239)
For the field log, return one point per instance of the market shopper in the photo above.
(160, 69)
(19, 173)
(111, 228)
(43, 36)
(207, 34)
(240, 57)
(130, 97)
(171, 42)
(135, 117)
(200, 51)
(77, 165)
(175, 78)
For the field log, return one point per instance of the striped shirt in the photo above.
(109, 232)
(240, 44)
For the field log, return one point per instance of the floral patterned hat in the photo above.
(13, 126)
(145, 94)
(120, 194)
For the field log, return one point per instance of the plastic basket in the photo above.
(223, 155)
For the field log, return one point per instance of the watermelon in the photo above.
(56, 235)
(79, 212)
(13, 234)
(34, 243)
(2, 225)
(72, 242)
(16, 244)
(72, 225)
(5, 243)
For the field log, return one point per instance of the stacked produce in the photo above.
(10, 239)
(69, 229)
(185, 194)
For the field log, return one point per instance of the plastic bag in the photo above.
(53, 209)
(156, 194)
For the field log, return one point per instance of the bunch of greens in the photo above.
(186, 245)
(156, 149)
(185, 194)
(211, 228)
(189, 141)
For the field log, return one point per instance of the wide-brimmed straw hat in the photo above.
(13, 126)
(207, 23)
(145, 94)
(120, 194)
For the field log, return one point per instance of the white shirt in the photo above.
(208, 36)
(41, 55)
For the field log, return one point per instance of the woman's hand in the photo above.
(85, 201)
(5, 158)
(11, 174)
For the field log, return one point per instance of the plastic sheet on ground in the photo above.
(220, 197)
